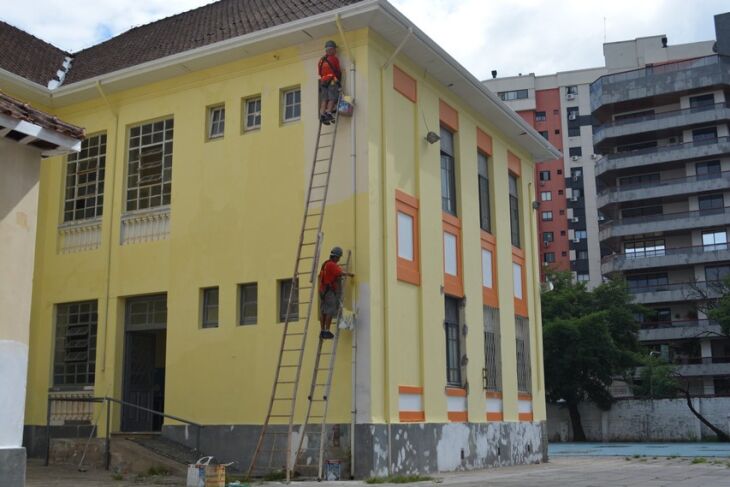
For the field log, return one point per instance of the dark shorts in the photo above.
(329, 92)
(329, 303)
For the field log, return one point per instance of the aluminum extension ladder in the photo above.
(312, 437)
(274, 446)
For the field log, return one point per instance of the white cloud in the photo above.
(541, 36)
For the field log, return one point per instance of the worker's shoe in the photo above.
(325, 118)
(327, 335)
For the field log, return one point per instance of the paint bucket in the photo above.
(345, 106)
(332, 469)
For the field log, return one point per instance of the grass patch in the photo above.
(398, 479)
(699, 460)
(274, 476)
(161, 471)
(118, 476)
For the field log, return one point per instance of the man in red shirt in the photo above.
(330, 76)
(330, 291)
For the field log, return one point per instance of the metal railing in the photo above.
(660, 325)
(696, 287)
(691, 250)
(108, 402)
(665, 182)
(662, 149)
(666, 216)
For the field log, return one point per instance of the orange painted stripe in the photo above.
(455, 392)
(461, 416)
(524, 396)
(410, 390)
(448, 116)
(404, 84)
(488, 238)
(450, 219)
(514, 164)
(484, 142)
(518, 255)
(406, 198)
(494, 395)
(412, 416)
(525, 416)
(495, 416)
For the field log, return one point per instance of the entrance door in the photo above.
(144, 363)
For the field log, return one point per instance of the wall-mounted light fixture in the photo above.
(432, 137)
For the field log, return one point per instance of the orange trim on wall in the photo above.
(525, 416)
(493, 394)
(524, 396)
(410, 390)
(453, 285)
(514, 164)
(404, 84)
(521, 304)
(484, 142)
(455, 392)
(495, 416)
(411, 416)
(408, 270)
(490, 296)
(458, 416)
(448, 116)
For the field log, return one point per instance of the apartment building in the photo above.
(663, 196)
(165, 247)
(558, 106)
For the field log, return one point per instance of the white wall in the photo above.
(19, 166)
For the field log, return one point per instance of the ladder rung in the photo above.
(315, 201)
(320, 186)
(292, 349)
(286, 382)
(324, 146)
(294, 334)
(288, 366)
(279, 415)
(283, 398)
(320, 173)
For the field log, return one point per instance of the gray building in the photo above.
(663, 200)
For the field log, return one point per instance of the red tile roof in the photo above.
(22, 111)
(218, 21)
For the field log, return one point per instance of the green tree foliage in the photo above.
(589, 337)
(719, 309)
(657, 380)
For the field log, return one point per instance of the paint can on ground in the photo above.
(345, 106)
(332, 469)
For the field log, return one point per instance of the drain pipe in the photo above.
(534, 257)
(353, 164)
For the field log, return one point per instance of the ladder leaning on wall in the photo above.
(274, 446)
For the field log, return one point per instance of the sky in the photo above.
(511, 36)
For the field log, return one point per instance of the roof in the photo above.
(28, 56)
(24, 124)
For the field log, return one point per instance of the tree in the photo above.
(718, 309)
(589, 338)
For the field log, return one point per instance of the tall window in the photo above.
(714, 240)
(448, 172)
(210, 307)
(252, 113)
(291, 105)
(453, 345)
(546, 195)
(248, 304)
(514, 210)
(711, 204)
(216, 121)
(540, 116)
(74, 359)
(84, 197)
(707, 134)
(484, 208)
(149, 167)
(523, 354)
(708, 170)
(492, 353)
(717, 272)
(285, 288)
(513, 95)
(644, 248)
(547, 216)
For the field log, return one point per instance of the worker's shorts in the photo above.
(329, 303)
(329, 92)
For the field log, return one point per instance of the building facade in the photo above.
(165, 247)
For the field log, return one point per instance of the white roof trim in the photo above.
(64, 144)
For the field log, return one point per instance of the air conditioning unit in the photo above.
(570, 96)
(575, 158)
(575, 219)
(576, 240)
(572, 115)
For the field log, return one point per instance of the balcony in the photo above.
(662, 79)
(706, 114)
(663, 188)
(664, 222)
(705, 366)
(698, 149)
(677, 330)
(678, 291)
(671, 257)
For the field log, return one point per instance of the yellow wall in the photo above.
(235, 214)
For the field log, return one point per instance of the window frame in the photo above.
(448, 172)
(294, 105)
(523, 355)
(408, 270)
(485, 194)
(211, 121)
(540, 116)
(283, 290)
(452, 331)
(246, 113)
(166, 165)
(493, 366)
(76, 159)
(91, 335)
(243, 320)
(546, 216)
(514, 209)
(206, 295)
(546, 195)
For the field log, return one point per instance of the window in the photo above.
(522, 334)
(714, 240)
(642, 211)
(248, 303)
(547, 216)
(544, 134)
(708, 170)
(572, 113)
(582, 277)
(405, 237)
(562, 212)
(407, 234)
(704, 135)
(216, 121)
(285, 289)
(149, 167)
(514, 210)
(517, 280)
(84, 197)
(487, 271)
(492, 353)
(575, 151)
(581, 255)
(711, 204)
(210, 307)
(560, 191)
(562, 233)
(540, 116)
(74, 359)
(292, 104)
(647, 280)
(643, 114)
(716, 272)
(453, 345)
(548, 237)
(448, 172)
(644, 248)
(544, 175)
(546, 195)
(571, 90)
(450, 257)
(575, 194)
(574, 131)
(484, 206)
(548, 257)
(640, 180)
(581, 235)
(700, 102)
(559, 171)
(556, 131)
(252, 113)
(513, 95)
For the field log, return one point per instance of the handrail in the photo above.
(662, 325)
(659, 116)
(647, 254)
(664, 148)
(665, 216)
(109, 401)
(665, 182)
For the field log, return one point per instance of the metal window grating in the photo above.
(149, 165)
(84, 194)
(74, 361)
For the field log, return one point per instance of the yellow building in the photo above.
(165, 248)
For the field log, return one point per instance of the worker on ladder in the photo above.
(330, 291)
(330, 76)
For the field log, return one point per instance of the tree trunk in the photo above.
(721, 435)
(578, 433)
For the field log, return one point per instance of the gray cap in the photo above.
(336, 252)
(330, 43)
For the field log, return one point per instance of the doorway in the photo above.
(143, 384)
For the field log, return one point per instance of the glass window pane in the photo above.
(517, 280)
(450, 258)
(405, 236)
(487, 268)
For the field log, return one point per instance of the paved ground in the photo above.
(562, 471)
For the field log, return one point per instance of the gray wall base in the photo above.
(12, 467)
